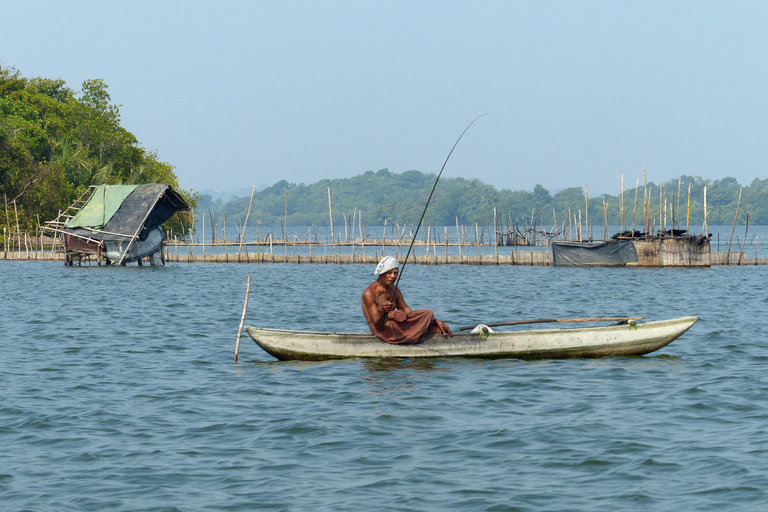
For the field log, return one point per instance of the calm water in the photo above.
(120, 394)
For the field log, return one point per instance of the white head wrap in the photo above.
(386, 264)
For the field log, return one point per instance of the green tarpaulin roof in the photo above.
(120, 212)
(102, 205)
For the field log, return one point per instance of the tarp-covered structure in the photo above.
(123, 223)
(611, 254)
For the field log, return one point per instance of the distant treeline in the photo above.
(54, 144)
(400, 198)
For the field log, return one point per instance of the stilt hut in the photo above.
(118, 224)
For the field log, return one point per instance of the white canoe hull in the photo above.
(615, 340)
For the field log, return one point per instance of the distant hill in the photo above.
(400, 198)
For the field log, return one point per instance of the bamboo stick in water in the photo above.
(242, 318)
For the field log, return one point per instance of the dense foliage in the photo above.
(54, 144)
(400, 198)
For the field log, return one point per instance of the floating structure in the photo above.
(668, 249)
(615, 253)
(118, 224)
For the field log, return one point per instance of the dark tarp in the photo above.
(611, 254)
(133, 210)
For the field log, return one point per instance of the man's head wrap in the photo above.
(386, 264)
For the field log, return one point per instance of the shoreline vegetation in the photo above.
(56, 143)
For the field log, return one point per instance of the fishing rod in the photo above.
(413, 239)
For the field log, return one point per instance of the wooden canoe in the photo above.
(632, 339)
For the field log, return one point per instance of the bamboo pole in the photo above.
(634, 211)
(330, 214)
(688, 214)
(242, 235)
(677, 218)
(586, 211)
(646, 205)
(242, 318)
(477, 241)
(738, 205)
(495, 236)
(558, 320)
(8, 223)
(554, 216)
(226, 247)
(581, 239)
(741, 249)
(458, 238)
(623, 213)
(384, 239)
(18, 228)
(706, 226)
(285, 225)
(661, 206)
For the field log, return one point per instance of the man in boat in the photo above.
(390, 319)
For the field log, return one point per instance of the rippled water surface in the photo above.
(120, 393)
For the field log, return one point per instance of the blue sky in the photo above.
(242, 93)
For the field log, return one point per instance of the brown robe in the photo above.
(409, 330)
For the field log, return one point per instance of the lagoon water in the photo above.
(120, 394)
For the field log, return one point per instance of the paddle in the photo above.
(559, 320)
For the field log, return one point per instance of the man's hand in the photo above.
(443, 328)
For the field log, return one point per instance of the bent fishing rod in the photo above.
(413, 239)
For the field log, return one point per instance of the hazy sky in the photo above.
(242, 93)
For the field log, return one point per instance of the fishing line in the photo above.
(413, 239)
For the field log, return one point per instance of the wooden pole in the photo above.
(242, 235)
(621, 198)
(586, 211)
(8, 223)
(741, 249)
(18, 228)
(458, 238)
(728, 254)
(477, 241)
(362, 234)
(446, 242)
(688, 214)
(706, 226)
(495, 236)
(677, 217)
(330, 215)
(581, 239)
(634, 211)
(554, 216)
(646, 213)
(558, 320)
(285, 225)
(384, 239)
(242, 318)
